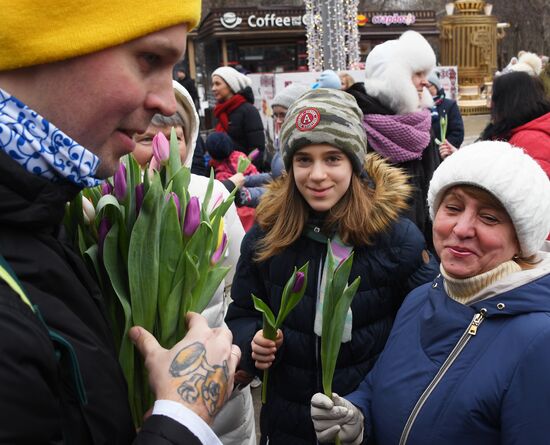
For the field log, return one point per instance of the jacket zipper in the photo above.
(462, 342)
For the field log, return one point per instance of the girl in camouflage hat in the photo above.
(332, 190)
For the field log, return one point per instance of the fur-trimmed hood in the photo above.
(389, 68)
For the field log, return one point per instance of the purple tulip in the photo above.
(140, 190)
(253, 155)
(102, 231)
(106, 188)
(299, 283)
(120, 182)
(161, 148)
(173, 196)
(218, 252)
(192, 216)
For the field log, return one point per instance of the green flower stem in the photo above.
(270, 333)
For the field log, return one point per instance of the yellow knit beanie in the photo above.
(35, 32)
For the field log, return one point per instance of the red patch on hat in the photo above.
(308, 119)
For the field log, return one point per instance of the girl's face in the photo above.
(322, 174)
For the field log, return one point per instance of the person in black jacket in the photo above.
(69, 107)
(331, 191)
(235, 111)
(447, 108)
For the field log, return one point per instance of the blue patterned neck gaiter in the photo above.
(42, 149)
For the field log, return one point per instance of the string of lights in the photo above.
(332, 34)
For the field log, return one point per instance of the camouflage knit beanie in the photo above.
(325, 116)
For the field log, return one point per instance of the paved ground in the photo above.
(473, 125)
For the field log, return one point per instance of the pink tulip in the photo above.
(253, 155)
(192, 216)
(161, 148)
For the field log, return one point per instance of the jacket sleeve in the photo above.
(455, 125)
(526, 404)
(361, 398)
(162, 430)
(255, 136)
(29, 401)
(535, 144)
(242, 319)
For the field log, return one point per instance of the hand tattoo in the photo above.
(200, 378)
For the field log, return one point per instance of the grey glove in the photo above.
(336, 417)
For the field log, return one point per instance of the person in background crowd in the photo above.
(520, 114)
(346, 80)
(73, 92)
(279, 105)
(235, 112)
(445, 108)
(527, 62)
(395, 101)
(469, 354)
(225, 161)
(189, 84)
(331, 191)
(327, 79)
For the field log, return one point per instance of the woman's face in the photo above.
(279, 114)
(220, 89)
(420, 80)
(472, 236)
(322, 174)
(144, 143)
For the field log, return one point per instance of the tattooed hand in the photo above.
(197, 372)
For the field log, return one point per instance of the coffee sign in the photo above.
(230, 20)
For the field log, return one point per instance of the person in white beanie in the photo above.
(444, 108)
(235, 111)
(280, 105)
(468, 357)
(395, 102)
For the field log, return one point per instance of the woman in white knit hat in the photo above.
(235, 111)
(468, 358)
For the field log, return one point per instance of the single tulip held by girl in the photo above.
(155, 252)
(292, 294)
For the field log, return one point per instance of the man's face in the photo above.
(102, 99)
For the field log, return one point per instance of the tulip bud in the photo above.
(88, 210)
(219, 251)
(102, 231)
(298, 283)
(173, 196)
(106, 188)
(120, 182)
(218, 200)
(140, 189)
(192, 216)
(253, 155)
(161, 148)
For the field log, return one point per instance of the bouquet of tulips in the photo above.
(154, 250)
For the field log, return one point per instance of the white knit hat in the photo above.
(509, 174)
(389, 68)
(286, 97)
(236, 81)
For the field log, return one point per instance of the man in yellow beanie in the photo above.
(77, 80)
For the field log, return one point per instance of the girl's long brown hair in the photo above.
(283, 212)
